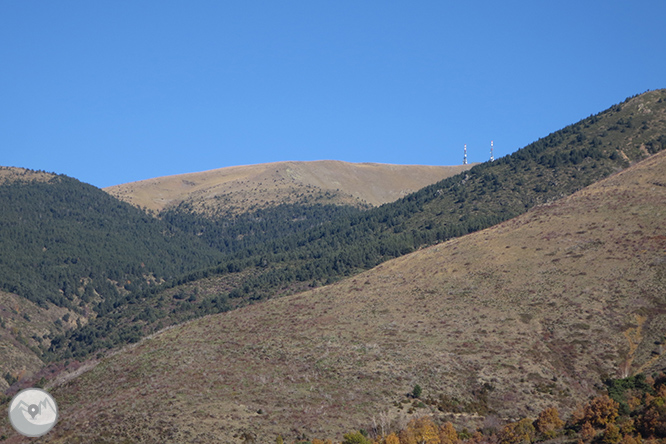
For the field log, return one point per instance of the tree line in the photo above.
(73, 245)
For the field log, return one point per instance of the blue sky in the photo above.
(113, 92)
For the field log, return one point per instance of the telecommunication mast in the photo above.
(465, 158)
(492, 158)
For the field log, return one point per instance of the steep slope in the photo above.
(286, 248)
(233, 190)
(555, 166)
(530, 313)
(25, 326)
(69, 243)
(70, 252)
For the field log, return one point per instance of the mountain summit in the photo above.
(527, 314)
(241, 188)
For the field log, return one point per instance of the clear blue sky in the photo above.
(116, 91)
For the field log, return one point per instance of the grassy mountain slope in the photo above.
(13, 174)
(548, 169)
(311, 250)
(527, 314)
(234, 190)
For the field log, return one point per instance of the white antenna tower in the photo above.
(492, 158)
(465, 158)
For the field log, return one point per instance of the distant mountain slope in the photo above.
(12, 174)
(69, 252)
(70, 243)
(233, 190)
(527, 314)
(285, 249)
(553, 167)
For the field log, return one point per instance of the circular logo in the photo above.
(33, 412)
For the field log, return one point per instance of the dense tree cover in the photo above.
(247, 230)
(62, 240)
(599, 421)
(550, 168)
(318, 244)
(68, 243)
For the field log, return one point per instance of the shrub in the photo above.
(417, 391)
(521, 432)
(355, 438)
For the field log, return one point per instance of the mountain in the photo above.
(555, 166)
(69, 252)
(122, 274)
(233, 190)
(531, 313)
(13, 174)
(23, 327)
(291, 247)
(66, 242)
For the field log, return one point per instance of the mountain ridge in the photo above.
(261, 185)
(311, 250)
(530, 313)
(11, 174)
(263, 257)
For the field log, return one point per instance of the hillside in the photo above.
(530, 313)
(550, 168)
(13, 174)
(288, 248)
(234, 190)
(69, 252)
(64, 241)
(24, 327)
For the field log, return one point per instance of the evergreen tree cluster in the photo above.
(62, 240)
(66, 242)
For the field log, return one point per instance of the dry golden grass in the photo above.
(11, 174)
(540, 308)
(241, 188)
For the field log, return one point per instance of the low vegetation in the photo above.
(500, 325)
(508, 323)
(633, 412)
(232, 191)
(290, 247)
